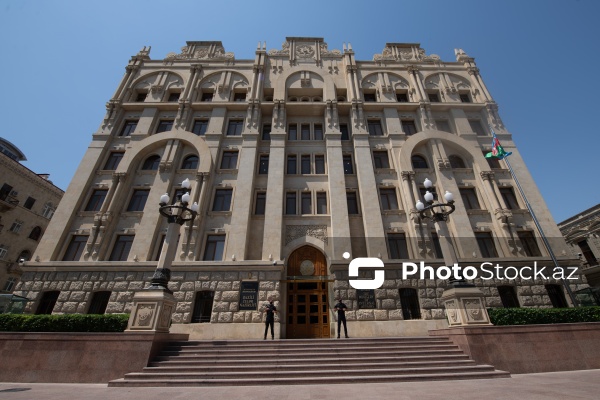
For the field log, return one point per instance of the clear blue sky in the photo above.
(62, 61)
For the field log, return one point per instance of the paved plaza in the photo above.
(553, 385)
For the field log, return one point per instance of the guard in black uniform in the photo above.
(270, 309)
(341, 309)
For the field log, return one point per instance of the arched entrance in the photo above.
(307, 302)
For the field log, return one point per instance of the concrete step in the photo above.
(194, 361)
(321, 366)
(307, 380)
(288, 350)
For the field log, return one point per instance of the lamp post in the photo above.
(154, 306)
(463, 301)
(177, 214)
(438, 213)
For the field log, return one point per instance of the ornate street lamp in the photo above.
(153, 307)
(463, 301)
(177, 214)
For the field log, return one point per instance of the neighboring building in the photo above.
(582, 233)
(295, 157)
(27, 202)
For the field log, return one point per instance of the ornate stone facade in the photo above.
(299, 146)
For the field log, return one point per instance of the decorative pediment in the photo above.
(404, 52)
(202, 51)
(303, 49)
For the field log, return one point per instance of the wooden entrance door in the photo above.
(307, 302)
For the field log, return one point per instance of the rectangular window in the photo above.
(129, 127)
(141, 97)
(469, 198)
(321, 203)
(348, 168)
(113, 161)
(443, 125)
(477, 127)
(200, 127)
(397, 246)
(29, 203)
(235, 127)
(290, 203)
(16, 226)
(433, 97)
(96, 200)
(508, 296)
(370, 97)
(75, 248)
(222, 200)
(260, 204)
(318, 130)
(292, 132)
(306, 201)
(485, 241)
(305, 164)
(4, 252)
(587, 252)
(319, 164)
(529, 244)
(239, 97)
(122, 247)
(402, 97)
(375, 128)
(207, 96)
(305, 132)
(409, 127)
(291, 165)
(345, 132)
(263, 164)
(510, 200)
(266, 132)
(164, 125)
(352, 201)
(436, 245)
(389, 201)
(138, 200)
(465, 98)
(381, 159)
(229, 160)
(10, 284)
(173, 97)
(215, 244)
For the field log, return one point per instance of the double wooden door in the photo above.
(307, 300)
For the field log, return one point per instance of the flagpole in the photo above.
(542, 235)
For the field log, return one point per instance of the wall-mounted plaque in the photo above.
(248, 295)
(366, 298)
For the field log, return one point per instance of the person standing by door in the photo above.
(341, 309)
(270, 309)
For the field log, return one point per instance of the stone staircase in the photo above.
(310, 361)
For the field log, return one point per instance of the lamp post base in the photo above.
(464, 306)
(151, 312)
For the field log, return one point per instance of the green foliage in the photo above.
(63, 323)
(528, 316)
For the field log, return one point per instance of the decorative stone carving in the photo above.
(305, 51)
(326, 53)
(144, 315)
(293, 232)
(201, 51)
(285, 50)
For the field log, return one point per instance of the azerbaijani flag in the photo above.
(497, 150)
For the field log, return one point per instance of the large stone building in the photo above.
(295, 157)
(27, 202)
(582, 233)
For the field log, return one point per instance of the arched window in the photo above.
(419, 162)
(151, 163)
(36, 233)
(190, 162)
(25, 256)
(456, 162)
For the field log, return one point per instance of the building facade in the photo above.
(296, 157)
(582, 233)
(27, 202)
